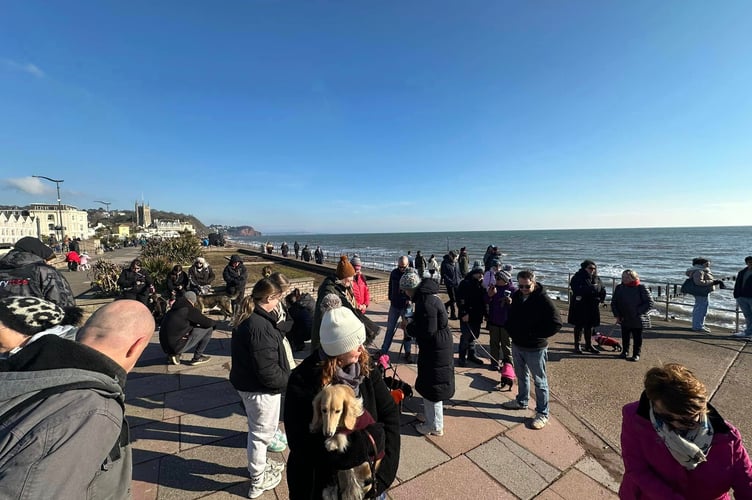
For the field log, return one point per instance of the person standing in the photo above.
(631, 300)
(588, 294)
(498, 297)
(360, 286)
(420, 264)
(704, 282)
(183, 328)
(296, 249)
(259, 373)
(398, 302)
(339, 285)
(306, 253)
(63, 442)
(24, 271)
(318, 254)
(676, 445)
(429, 327)
(464, 262)
(433, 267)
(450, 275)
(472, 309)
(743, 296)
(135, 283)
(533, 318)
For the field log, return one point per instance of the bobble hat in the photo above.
(341, 331)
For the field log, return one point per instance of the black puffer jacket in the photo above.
(135, 285)
(471, 299)
(429, 327)
(532, 321)
(587, 295)
(309, 466)
(178, 322)
(26, 274)
(629, 303)
(259, 361)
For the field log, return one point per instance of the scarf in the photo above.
(689, 448)
(349, 375)
(633, 283)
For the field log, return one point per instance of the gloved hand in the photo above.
(360, 447)
(719, 283)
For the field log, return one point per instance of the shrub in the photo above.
(104, 275)
(158, 256)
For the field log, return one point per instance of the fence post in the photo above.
(668, 299)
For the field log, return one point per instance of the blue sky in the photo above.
(354, 116)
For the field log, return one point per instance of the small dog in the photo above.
(336, 412)
(507, 376)
(158, 306)
(604, 341)
(220, 300)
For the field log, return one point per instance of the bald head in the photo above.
(403, 262)
(120, 330)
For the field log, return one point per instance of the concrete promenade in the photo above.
(188, 426)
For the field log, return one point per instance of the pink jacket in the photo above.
(650, 472)
(360, 290)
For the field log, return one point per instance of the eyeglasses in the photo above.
(401, 268)
(524, 287)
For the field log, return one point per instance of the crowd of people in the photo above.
(675, 444)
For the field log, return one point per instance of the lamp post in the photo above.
(59, 208)
(106, 204)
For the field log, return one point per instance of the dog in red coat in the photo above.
(604, 341)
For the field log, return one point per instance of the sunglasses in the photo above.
(401, 268)
(524, 287)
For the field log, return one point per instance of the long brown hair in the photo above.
(329, 367)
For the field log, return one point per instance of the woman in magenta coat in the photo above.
(676, 446)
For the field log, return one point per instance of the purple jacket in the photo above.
(498, 311)
(650, 472)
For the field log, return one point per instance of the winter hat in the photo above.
(201, 260)
(191, 296)
(35, 246)
(409, 281)
(344, 268)
(341, 331)
(30, 315)
(477, 268)
(235, 258)
(508, 268)
(504, 275)
(496, 263)
(355, 261)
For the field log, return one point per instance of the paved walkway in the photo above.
(188, 426)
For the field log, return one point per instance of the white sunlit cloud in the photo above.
(28, 68)
(29, 185)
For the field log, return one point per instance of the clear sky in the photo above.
(362, 116)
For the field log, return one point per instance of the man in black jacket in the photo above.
(533, 318)
(235, 276)
(183, 328)
(743, 296)
(472, 309)
(450, 274)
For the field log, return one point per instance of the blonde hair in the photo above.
(245, 309)
(632, 274)
(329, 367)
(678, 390)
(281, 280)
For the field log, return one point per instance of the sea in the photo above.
(659, 255)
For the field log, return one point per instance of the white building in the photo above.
(43, 220)
(16, 224)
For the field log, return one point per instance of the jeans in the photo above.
(198, 338)
(262, 411)
(699, 311)
(395, 314)
(745, 304)
(434, 413)
(468, 337)
(500, 344)
(535, 362)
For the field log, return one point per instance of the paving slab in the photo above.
(464, 430)
(594, 470)
(574, 485)
(145, 409)
(154, 439)
(417, 455)
(518, 470)
(199, 398)
(553, 443)
(212, 425)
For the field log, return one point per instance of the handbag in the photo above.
(689, 287)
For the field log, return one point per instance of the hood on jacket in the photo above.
(34, 246)
(428, 286)
(18, 258)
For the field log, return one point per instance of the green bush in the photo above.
(158, 269)
(159, 256)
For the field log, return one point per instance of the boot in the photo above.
(474, 359)
(577, 349)
(577, 337)
(453, 316)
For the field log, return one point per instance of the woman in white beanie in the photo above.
(259, 373)
(429, 327)
(340, 359)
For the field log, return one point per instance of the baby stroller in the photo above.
(399, 388)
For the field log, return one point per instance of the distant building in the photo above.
(16, 224)
(169, 228)
(40, 220)
(124, 229)
(143, 215)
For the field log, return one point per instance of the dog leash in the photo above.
(479, 344)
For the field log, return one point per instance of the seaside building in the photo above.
(43, 220)
(143, 215)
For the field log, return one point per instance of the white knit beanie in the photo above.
(341, 331)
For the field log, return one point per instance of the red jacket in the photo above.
(72, 256)
(650, 472)
(360, 290)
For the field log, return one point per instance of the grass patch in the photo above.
(219, 258)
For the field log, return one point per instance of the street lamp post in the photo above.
(59, 207)
(106, 204)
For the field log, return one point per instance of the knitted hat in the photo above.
(35, 246)
(30, 315)
(355, 261)
(477, 268)
(191, 297)
(341, 331)
(503, 275)
(409, 281)
(344, 268)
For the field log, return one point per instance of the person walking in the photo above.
(296, 249)
(420, 264)
(586, 297)
(429, 327)
(704, 282)
(743, 296)
(463, 262)
(676, 445)
(533, 318)
(630, 302)
(259, 372)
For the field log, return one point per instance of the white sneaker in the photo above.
(173, 359)
(539, 422)
(274, 466)
(267, 481)
(513, 405)
(425, 430)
